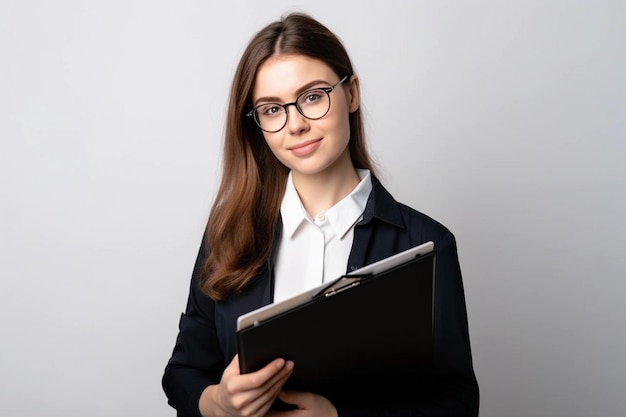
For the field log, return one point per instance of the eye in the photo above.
(312, 96)
(269, 110)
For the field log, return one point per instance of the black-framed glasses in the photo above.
(312, 104)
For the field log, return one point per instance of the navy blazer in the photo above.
(206, 341)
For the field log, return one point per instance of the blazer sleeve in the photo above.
(197, 360)
(453, 390)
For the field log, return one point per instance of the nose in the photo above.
(296, 122)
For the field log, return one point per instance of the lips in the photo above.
(305, 148)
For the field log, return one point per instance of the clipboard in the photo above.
(370, 327)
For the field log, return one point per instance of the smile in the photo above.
(305, 148)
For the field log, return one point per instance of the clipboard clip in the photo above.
(341, 284)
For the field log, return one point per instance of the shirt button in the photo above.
(320, 218)
(353, 268)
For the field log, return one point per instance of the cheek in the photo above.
(339, 120)
(340, 127)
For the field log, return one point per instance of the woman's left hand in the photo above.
(308, 405)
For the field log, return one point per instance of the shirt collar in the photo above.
(342, 216)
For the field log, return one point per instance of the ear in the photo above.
(354, 94)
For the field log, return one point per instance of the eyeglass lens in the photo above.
(312, 104)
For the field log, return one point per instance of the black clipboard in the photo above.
(350, 337)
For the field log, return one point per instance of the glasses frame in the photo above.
(254, 113)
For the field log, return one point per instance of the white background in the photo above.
(505, 120)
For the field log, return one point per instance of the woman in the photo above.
(298, 193)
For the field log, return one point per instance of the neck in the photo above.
(321, 191)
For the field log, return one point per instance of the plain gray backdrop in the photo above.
(505, 120)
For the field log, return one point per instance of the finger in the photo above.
(265, 408)
(280, 377)
(288, 397)
(260, 378)
(246, 394)
(232, 368)
(243, 395)
(264, 401)
(293, 397)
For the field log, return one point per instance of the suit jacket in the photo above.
(207, 341)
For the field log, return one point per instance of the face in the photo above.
(307, 147)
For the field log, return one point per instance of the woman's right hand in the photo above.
(247, 395)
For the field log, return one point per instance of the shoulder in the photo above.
(419, 226)
(417, 220)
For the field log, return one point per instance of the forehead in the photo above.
(282, 75)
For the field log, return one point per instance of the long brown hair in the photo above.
(243, 218)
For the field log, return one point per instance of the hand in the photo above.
(248, 395)
(309, 405)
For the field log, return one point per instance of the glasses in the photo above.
(312, 104)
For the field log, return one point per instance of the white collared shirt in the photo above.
(312, 251)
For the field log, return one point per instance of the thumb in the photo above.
(233, 367)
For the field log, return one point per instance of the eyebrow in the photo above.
(299, 91)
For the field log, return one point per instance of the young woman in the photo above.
(298, 193)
